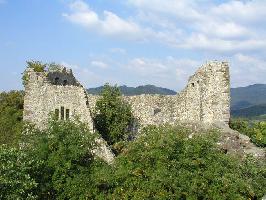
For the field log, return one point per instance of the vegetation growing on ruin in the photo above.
(112, 115)
(54, 67)
(37, 66)
(164, 163)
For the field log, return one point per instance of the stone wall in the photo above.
(59, 94)
(43, 98)
(206, 98)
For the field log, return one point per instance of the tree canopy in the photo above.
(11, 114)
(112, 115)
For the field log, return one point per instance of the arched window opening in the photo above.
(193, 84)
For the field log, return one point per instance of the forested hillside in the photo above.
(243, 97)
(248, 101)
(129, 91)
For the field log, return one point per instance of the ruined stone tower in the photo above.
(205, 99)
(54, 92)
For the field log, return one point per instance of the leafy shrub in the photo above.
(37, 66)
(15, 181)
(255, 130)
(112, 115)
(11, 114)
(259, 136)
(63, 159)
(166, 164)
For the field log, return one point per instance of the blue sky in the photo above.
(133, 42)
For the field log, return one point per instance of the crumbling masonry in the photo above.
(206, 98)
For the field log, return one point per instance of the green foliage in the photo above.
(54, 67)
(165, 164)
(63, 159)
(255, 130)
(11, 114)
(15, 182)
(259, 136)
(112, 115)
(37, 66)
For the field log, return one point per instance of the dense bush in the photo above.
(11, 114)
(56, 163)
(63, 159)
(255, 130)
(112, 115)
(15, 181)
(165, 164)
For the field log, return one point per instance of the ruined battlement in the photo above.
(205, 99)
(59, 76)
(54, 92)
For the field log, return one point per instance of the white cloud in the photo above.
(169, 72)
(246, 70)
(190, 24)
(235, 29)
(224, 27)
(109, 24)
(99, 64)
(242, 11)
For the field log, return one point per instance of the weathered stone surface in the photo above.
(205, 99)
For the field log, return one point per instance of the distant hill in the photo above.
(248, 101)
(129, 91)
(250, 112)
(244, 97)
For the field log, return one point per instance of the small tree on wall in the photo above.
(112, 115)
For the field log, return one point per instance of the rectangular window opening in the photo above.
(67, 114)
(62, 113)
(56, 114)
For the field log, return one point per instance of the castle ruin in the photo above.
(205, 99)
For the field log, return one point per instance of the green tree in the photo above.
(15, 181)
(11, 114)
(112, 115)
(63, 159)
